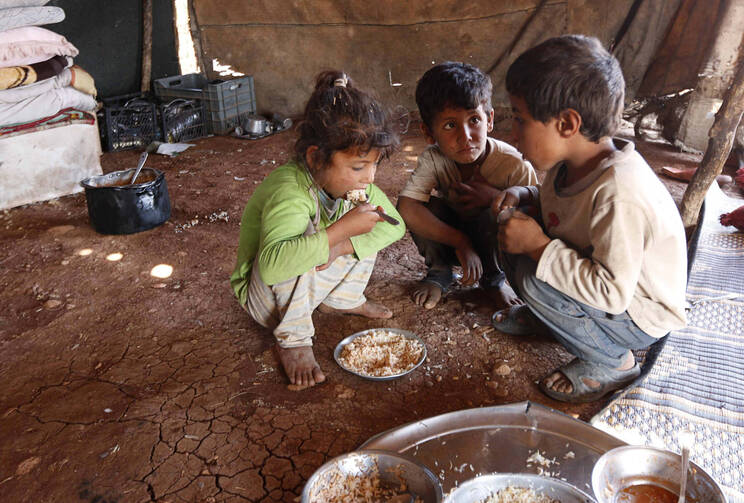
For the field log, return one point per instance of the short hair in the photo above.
(453, 84)
(571, 71)
(339, 116)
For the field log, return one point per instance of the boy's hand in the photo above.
(522, 235)
(475, 194)
(509, 198)
(472, 269)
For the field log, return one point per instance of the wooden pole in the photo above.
(720, 140)
(146, 45)
(196, 37)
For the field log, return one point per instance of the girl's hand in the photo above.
(359, 220)
(522, 235)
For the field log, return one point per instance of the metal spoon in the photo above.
(141, 163)
(686, 438)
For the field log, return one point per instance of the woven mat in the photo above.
(697, 379)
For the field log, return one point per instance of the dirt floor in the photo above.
(119, 386)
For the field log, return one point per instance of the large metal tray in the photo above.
(461, 445)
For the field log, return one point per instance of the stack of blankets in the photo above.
(38, 78)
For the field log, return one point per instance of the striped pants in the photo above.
(287, 307)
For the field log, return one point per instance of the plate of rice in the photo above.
(380, 354)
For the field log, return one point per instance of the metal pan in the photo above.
(481, 488)
(408, 335)
(392, 468)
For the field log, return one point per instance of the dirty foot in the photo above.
(427, 294)
(504, 296)
(559, 382)
(369, 310)
(300, 366)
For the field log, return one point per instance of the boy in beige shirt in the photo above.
(446, 202)
(606, 271)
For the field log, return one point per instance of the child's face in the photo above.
(538, 141)
(350, 170)
(461, 134)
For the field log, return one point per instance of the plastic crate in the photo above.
(227, 102)
(183, 120)
(128, 122)
(180, 86)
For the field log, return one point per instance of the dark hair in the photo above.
(571, 71)
(453, 84)
(337, 117)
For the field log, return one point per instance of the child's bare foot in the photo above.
(300, 366)
(427, 294)
(369, 310)
(504, 296)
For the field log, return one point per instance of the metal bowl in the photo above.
(631, 465)
(408, 335)
(392, 468)
(482, 487)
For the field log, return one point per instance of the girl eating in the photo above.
(303, 244)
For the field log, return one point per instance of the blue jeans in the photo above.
(439, 258)
(588, 333)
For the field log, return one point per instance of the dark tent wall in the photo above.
(284, 44)
(109, 37)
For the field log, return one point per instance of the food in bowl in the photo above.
(381, 353)
(512, 494)
(645, 493)
(345, 488)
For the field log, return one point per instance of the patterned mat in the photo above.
(696, 382)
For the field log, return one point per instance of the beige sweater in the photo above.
(618, 243)
(503, 168)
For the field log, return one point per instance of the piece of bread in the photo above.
(357, 196)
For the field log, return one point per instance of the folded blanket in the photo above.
(17, 17)
(32, 44)
(5, 4)
(75, 77)
(44, 105)
(15, 76)
(61, 118)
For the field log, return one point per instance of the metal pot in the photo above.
(117, 207)
(256, 125)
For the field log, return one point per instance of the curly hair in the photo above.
(338, 116)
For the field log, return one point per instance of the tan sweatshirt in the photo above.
(618, 243)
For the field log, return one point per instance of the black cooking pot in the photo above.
(117, 207)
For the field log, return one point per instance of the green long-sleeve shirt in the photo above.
(275, 219)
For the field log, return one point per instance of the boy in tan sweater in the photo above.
(606, 271)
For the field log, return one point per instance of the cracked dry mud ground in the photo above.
(119, 387)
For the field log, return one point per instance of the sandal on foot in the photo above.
(609, 380)
(518, 320)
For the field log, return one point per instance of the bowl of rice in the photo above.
(371, 476)
(380, 354)
(517, 488)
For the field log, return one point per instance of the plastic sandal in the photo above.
(518, 320)
(608, 378)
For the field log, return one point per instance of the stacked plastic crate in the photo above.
(227, 102)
